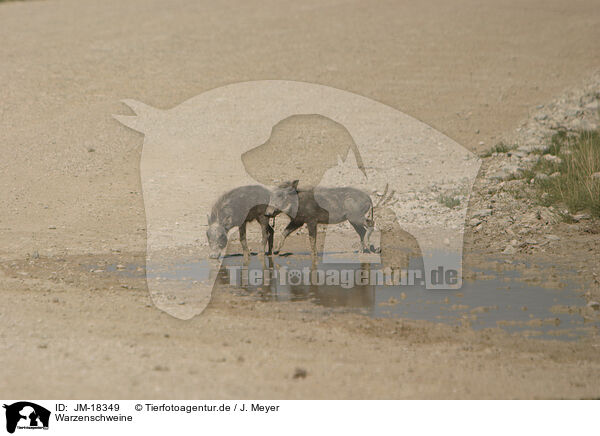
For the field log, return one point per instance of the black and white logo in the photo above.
(26, 415)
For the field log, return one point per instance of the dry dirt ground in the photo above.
(71, 192)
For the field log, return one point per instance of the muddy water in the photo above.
(503, 299)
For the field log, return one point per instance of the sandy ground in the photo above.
(71, 191)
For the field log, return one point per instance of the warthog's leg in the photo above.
(244, 242)
(293, 225)
(312, 236)
(361, 229)
(370, 226)
(267, 234)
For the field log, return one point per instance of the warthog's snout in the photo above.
(270, 212)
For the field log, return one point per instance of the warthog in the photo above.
(322, 206)
(236, 208)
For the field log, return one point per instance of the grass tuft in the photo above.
(501, 147)
(449, 201)
(574, 187)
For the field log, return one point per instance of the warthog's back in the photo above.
(240, 204)
(333, 205)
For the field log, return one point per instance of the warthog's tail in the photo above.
(385, 199)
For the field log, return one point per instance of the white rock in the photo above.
(552, 158)
(482, 213)
(509, 250)
(572, 112)
(592, 106)
(581, 216)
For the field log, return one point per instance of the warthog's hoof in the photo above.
(375, 250)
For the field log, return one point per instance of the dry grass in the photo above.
(572, 183)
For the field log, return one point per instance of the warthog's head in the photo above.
(217, 239)
(284, 199)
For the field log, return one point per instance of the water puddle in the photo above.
(502, 299)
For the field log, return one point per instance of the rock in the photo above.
(299, 373)
(592, 106)
(517, 183)
(530, 148)
(555, 175)
(482, 213)
(474, 222)
(596, 176)
(587, 125)
(581, 217)
(483, 309)
(160, 368)
(539, 177)
(120, 266)
(509, 250)
(35, 255)
(52, 227)
(552, 237)
(541, 117)
(572, 112)
(517, 153)
(499, 175)
(546, 216)
(551, 158)
(594, 305)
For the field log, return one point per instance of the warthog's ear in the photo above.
(227, 222)
(287, 185)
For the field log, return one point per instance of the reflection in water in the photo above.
(502, 301)
(329, 285)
